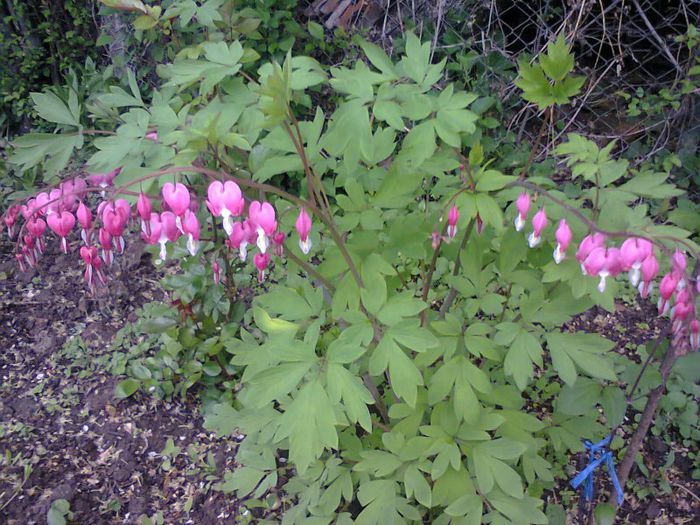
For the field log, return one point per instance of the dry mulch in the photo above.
(61, 424)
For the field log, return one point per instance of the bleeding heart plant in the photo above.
(413, 368)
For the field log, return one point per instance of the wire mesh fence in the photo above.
(630, 51)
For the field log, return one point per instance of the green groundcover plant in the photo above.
(406, 358)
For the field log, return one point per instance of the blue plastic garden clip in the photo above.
(597, 454)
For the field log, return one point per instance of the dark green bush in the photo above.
(39, 41)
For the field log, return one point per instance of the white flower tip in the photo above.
(558, 255)
(163, 251)
(519, 223)
(262, 241)
(634, 275)
(533, 240)
(601, 284)
(305, 246)
(192, 245)
(228, 223)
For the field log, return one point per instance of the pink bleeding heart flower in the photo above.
(678, 266)
(303, 227)
(634, 252)
(667, 287)
(36, 227)
(240, 238)
(124, 208)
(539, 223)
(261, 260)
(62, 223)
(10, 219)
(682, 309)
(77, 186)
(452, 218)
(168, 231)
(144, 209)
(93, 265)
(191, 228)
(73, 190)
(225, 200)
(588, 244)
(194, 203)
(40, 204)
(563, 236)
(21, 262)
(85, 219)
(103, 180)
(694, 334)
(114, 222)
(649, 269)
(105, 240)
(217, 272)
(278, 239)
(27, 210)
(55, 203)
(151, 234)
(262, 217)
(603, 262)
(523, 206)
(30, 246)
(177, 196)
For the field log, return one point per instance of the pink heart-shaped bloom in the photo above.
(84, 216)
(144, 207)
(262, 215)
(113, 221)
(177, 197)
(61, 222)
